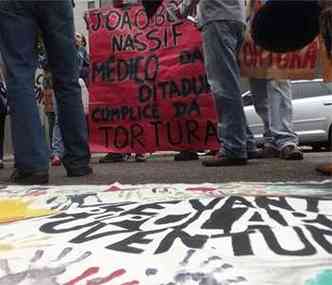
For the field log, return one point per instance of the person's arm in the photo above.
(183, 9)
(187, 7)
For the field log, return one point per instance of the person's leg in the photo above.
(87, 124)
(259, 91)
(18, 32)
(252, 152)
(258, 88)
(280, 100)
(50, 120)
(57, 141)
(2, 137)
(221, 43)
(56, 22)
(57, 145)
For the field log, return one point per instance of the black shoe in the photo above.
(224, 161)
(113, 157)
(1, 164)
(79, 171)
(291, 152)
(186, 156)
(29, 178)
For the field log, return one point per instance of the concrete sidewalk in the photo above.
(162, 168)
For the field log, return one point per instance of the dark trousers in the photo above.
(2, 133)
(20, 22)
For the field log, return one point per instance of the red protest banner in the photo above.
(258, 63)
(148, 88)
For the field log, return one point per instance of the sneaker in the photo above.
(79, 171)
(29, 177)
(140, 157)
(325, 169)
(186, 156)
(1, 164)
(56, 161)
(291, 152)
(221, 160)
(113, 157)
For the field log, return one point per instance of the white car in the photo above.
(312, 113)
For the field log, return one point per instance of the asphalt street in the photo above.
(163, 169)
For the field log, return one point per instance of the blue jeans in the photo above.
(273, 103)
(57, 141)
(2, 134)
(221, 45)
(19, 24)
(50, 120)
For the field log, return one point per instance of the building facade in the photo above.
(81, 7)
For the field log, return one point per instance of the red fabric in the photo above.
(155, 72)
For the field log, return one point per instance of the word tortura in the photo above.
(173, 132)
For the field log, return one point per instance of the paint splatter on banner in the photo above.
(158, 234)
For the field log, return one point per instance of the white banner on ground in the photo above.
(238, 233)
